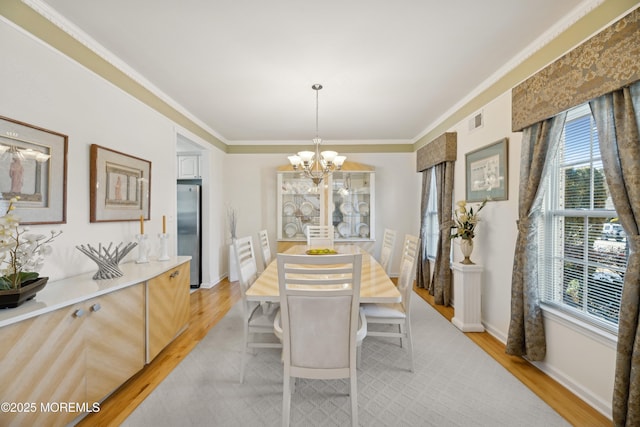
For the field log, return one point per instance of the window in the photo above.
(583, 249)
(431, 219)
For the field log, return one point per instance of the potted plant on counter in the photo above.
(21, 257)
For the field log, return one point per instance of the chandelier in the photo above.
(317, 165)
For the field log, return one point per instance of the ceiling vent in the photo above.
(476, 121)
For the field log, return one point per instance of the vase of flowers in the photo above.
(21, 257)
(465, 221)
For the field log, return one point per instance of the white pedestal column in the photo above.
(233, 265)
(467, 292)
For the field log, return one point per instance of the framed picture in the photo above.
(120, 186)
(33, 168)
(487, 172)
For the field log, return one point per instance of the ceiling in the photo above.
(391, 69)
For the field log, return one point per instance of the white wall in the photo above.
(43, 88)
(397, 193)
(582, 362)
(495, 242)
(46, 89)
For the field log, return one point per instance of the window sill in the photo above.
(604, 337)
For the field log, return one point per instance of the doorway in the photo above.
(192, 166)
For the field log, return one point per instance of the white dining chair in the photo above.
(263, 237)
(397, 314)
(320, 319)
(386, 252)
(320, 236)
(257, 318)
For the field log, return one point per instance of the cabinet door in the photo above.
(168, 308)
(42, 361)
(188, 167)
(114, 335)
(353, 205)
(299, 205)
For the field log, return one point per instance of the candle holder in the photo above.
(143, 249)
(164, 247)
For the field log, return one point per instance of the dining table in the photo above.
(375, 284)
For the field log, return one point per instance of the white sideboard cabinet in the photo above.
(80, 339)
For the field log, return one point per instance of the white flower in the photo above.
(33, 237)
(21, 253)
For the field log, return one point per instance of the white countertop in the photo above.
(72, 290)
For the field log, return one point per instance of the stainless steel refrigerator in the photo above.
(189, 226)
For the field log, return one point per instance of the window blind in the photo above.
(584, 249)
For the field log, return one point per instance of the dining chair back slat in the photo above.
(320, 236)
(386, 252)
(320, 317)
(398, 314)
(246, 262)
(257, 318)
(408, 264)
(263, 237)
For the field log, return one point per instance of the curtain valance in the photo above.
(442, 149)
(608, 61)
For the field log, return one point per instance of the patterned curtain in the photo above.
(526, 329)
(617, 117)
(440, 286)
(423, 272)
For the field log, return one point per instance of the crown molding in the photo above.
(583, 22)
(351, 149)
(65, 37)
(586, 20)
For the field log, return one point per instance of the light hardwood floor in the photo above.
(208, 306)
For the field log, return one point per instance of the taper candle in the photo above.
(141, 224)
(164, 224)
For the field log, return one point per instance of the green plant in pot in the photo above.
(22, 255)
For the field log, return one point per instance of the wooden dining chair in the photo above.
(257, 318)
(386, 252)
(397, 314)
(320, 236)
(320, 317)
(263, 237)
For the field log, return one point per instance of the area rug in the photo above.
(455, 383)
